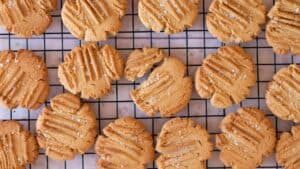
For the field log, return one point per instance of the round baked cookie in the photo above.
(67, 128)
(170, 16)
(140, 62)
(283, 93)
(90, 70)
(167, 90)
(26, 18)
(18, 147)
(93, 20)
(182, 143)
(125, 143)
(287, 149)
(247, 137)
(282, 32)
(23, 80)
(235, 20)
(226, 77)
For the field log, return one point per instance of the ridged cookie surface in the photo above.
(170, 16)
(283, 93)
(288, 148)
(247, 137)
(125, 143)
(226, 77)
(93, 20)
(18, 147)
(26, 18)
(283, 31)
(167, 90)
(67, 128)
(140, 62)
(23, 80)
(235, 20)
(90, 70)
(182, 143)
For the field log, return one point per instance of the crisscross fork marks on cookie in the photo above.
(125, 144)
(283, 31)
(90, 70)
(93, 20)
(236, 20)
(183, 144)
(248, 136)
(67, 128)
(282, 96)
(226, 77)
(287, 149)
(17, 146)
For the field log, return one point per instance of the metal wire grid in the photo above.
(191, 46)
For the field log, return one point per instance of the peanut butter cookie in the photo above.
(18, 147)
(171, 16)
(140, 62)
(90, 70)
(67, 128)
(125, 143)
(226, 77)
(23, 80)
(247, 137)
(26, 18)
(235, 20)
(283, 32)
(283, 94)
(287, 149)
(167, 90)
(183, 144)
(93, 20)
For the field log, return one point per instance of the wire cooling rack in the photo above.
(191, 46)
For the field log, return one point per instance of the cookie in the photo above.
(226, 77)
(90, 70)
(167, 90)
(23, 80)
(140, 62)
(287, 149)
(170, 16)
(282, 32)
(67, 128)
(247, 137)
(235, 20)
(18, 147)
(125, 143)
(283, 93)
(26, 18)
(93, 20)
(182, 143)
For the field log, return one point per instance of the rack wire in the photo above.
(191, 46)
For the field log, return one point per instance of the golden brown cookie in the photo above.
(167, 90)
(226, 77)
(125, 143)
(247, 137)
(18, 147)
(183, 143)
(283, 30)
(26, 18)
(140, 62)
(235, 20)
(283, 93)
(23, 80)
(287, 149)
(93, 20)
(90, 70)
(170, 16)
(67, 128)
